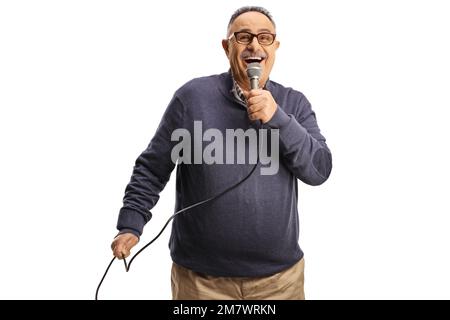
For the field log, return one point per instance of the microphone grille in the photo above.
(254, 70)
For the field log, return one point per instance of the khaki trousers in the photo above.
(285, 285)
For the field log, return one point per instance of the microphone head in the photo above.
(254, 70)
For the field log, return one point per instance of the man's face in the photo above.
(240, 54)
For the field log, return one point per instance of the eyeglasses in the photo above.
(244, 37)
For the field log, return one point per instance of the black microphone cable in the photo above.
(128, 265)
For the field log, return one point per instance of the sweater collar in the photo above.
(227, 84)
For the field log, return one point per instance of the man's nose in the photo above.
(254, 45)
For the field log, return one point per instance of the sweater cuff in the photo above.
(132, 231)
(130, 221)
(279, 119)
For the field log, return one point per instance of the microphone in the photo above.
(253, 73)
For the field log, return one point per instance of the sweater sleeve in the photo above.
(151, 172)
(302, 146)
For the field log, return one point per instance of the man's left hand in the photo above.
(260, 105)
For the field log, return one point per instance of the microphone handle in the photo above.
(254, 83)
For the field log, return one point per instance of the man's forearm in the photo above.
(305, 153)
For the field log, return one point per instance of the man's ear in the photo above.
(277, 44)
(225, 46)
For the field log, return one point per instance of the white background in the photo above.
(83, 85)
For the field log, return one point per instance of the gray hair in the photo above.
(242, 10)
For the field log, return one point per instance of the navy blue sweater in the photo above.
(252, 230)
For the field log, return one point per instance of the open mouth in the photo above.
(253, 59)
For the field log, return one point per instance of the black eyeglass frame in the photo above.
(253, 36)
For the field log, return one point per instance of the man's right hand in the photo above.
(122, 244)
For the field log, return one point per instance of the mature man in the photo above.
(244, 244)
